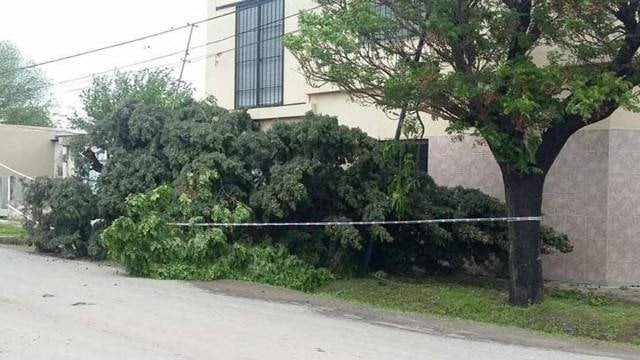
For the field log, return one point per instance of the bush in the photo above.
(148, 245)
(446, 248)
(176, 159)
(58, 215)
(271, 265)
(312, 170)
(322, 171)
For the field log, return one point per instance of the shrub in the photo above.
(313, 170)
(271, 265)
(58, 215)
(322, 171)
(148, 245)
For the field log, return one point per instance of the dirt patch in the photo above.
(417, 322)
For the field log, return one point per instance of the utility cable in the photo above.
(127, 42)
(191, 48)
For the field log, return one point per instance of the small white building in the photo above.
(27, 152)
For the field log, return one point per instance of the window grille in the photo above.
(259, 54)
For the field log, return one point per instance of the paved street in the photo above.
(57, 309)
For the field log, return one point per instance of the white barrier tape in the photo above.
(356, 223)
(16, 172)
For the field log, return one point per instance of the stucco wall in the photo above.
(221, 68)
(298, 96)
(575, 202)
(592, 194)
(623, 220)
(29, 150)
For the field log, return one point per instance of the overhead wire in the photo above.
(149, 36)
(209, 43)
(119, 44)
(171, 65)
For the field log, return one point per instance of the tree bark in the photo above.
(524, 198)
(366, 264)
(88, 154)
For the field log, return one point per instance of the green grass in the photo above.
(11, 230)
(562, 313)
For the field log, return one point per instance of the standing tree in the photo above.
(523, 74)
(24, 97)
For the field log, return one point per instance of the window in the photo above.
(259, 53)
(384, 10)
(418, 148)
(387, 12)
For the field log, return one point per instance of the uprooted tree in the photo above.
(522, 74)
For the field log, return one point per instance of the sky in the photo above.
(45, 29)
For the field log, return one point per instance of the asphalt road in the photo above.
(57, 309)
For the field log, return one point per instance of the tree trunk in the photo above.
(524, 198)
(366, 264)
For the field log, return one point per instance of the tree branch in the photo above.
(519, 46)
(88, 154)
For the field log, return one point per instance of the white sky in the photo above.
(46, 29)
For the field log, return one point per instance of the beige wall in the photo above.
(592, 194)
(29, 150)
(299, 96)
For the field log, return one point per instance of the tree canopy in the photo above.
(24, 93)
(517, 73)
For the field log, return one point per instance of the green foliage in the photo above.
(312, 170)
(324, 171)
(264, 264)
(127, 172)
(148, 245)
(24, 94)
(197, 162)
(152, 130)
(508, 71)
(58, 215)
(109, 93)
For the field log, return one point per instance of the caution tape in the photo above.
(364, 223)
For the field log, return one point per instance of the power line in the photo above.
(217, 41)
(90, 76)
(172, 64)
(127, 42)
(256, 42)
(169, 65)
(253, 29)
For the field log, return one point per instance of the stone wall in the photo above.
(623, 221)
(592, 194)
(575, 202)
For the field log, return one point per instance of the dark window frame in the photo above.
(260, 29)
(419, 148)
